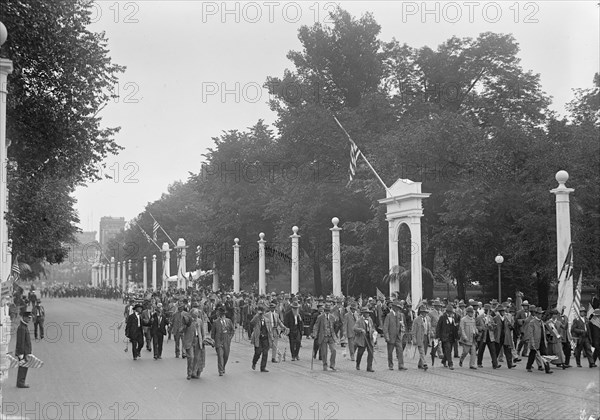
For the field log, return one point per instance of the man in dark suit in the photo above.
(39, 314)
(447, 333)
(222, 333)
(393, 328)
(293, 321)
(363, 338)
(158, 329)
(521, 319)
(135, 332)
(324, 332)
(260, 339)
(580, 330)
(503, 336)
(23, 348)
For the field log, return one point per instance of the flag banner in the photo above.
(380, 294)
(574, 313)
(595, 321)
(155, 227)
(354, 154)
(148, 238)
(29, 361)
(408, 299)
(565, 283)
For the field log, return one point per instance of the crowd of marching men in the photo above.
(435, 330)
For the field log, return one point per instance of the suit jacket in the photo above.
(275, 322)
(503, 325)
(420, 336)
(256, 326)
(580, 329)
(23, 346)
(189, 333)
(177, 322)
(468, 330)
(319, 328)
(348, 324)
(34, 313)
(534, 334)
(132, 330)
(159, 328)
(447, 327)
(521, 320)
(393, 327)
(485, 327)
(362, 334)
(222, 333)
(296, 329)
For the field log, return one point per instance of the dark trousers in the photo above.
(583, 344)
(328, 342)
(531, 359)
(137, 344)
(359, 355)
(157, 343)
(38, 323)
(491, 347)
(261, 352)
(507, 353)
(447, 348)
(21, 375)
(223, 356)
(566, 346)
(316, 349)
(455, 347)
(295, 339)
(522, 347)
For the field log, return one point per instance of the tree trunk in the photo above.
(315, 256)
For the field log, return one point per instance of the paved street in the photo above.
(88, 375)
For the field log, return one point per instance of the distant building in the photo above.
(109, 228)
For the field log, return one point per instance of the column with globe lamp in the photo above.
(499, 260)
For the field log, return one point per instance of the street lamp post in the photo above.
(499, 260)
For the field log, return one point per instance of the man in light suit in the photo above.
(39, 314)
(323, 332)
(393, 329)
(422, 333)
(193, 343)
(536, 337)
(222, 333)
(261, 339)
(486, 328)
(363, 338)
(158, 328)
(348, 328)
(277, 327)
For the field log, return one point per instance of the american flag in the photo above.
(576, 299)
(15, 270)
(565, 283)
(155, 228)
(354, 154)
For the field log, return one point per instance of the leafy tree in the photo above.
(63, 77)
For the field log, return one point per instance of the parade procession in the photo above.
(299, 210)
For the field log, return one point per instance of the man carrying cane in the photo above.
(324, 333)
(363, 338)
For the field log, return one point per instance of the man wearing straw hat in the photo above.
(293, 322)
(393, 329)
(363, 338)
(422, 335)
(324, 333)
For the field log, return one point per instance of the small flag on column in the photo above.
(155, 228)
(380, 294)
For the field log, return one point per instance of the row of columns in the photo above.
(104, 273)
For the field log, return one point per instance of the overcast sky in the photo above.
(182, 55)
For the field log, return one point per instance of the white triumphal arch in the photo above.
(404, 206)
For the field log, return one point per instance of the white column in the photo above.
(166, 264)
(119, 281)
(181, 253)
(124, 275)
(563, 238)
(6, 67)
(236, 266)
(154, 272)
(215, 285)
(336, 268)
(129, 271)
(145, 274)
(261, 264)
(294, 287)
(112, 272)
(416, 273)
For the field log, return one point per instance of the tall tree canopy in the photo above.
(63, 77)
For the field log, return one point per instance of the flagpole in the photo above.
(161, 228)
(148, 237)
